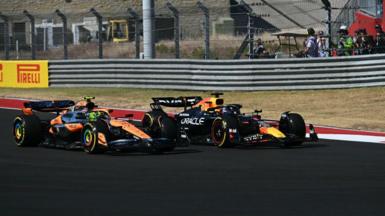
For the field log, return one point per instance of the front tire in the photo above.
(224, 132)
(90, 137)
(27, 130)
(294, 127)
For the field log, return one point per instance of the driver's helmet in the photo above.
(90, 106)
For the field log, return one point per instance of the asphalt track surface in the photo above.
(328, 178)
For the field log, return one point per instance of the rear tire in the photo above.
(151, 124)
(90, 137)
(168, 130)
(293, 125)
(27, 130)
(220, 132)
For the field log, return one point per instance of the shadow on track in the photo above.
(175, 152)
(278, 147)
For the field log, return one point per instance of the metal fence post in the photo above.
(6, 35)
(65, 39)
(250, 26)
(328, 8)
(206, 24)
(251, 36)
(33, 37)
(135, 15)
(175, 13)
(100, 30)
(329, 30)
(148, 29)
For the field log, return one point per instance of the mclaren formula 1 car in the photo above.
(210, 121)
(83, 125)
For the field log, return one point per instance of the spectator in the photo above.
(311, 48)
(259, 49)
(345, 42)
(322, 46)
(367, 43)
(360, 43)
(363, 43)
(357, 42)
(379, 40)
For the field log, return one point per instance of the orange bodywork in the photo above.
(27, 111)
(263, 130)
(56, 120)
(102, 139)
(272, 131)
(210, 102)
(75, 127)
(80, 104)
(129, 128)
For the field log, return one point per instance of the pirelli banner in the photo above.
(24, 74)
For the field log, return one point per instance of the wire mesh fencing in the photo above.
(181, 31)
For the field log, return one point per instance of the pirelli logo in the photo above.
(28, 73)
(24, 74)
(1, 73)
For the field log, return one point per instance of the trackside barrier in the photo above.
(24, 74)
(245, 75)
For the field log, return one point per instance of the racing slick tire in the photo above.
(151, 123)
(293, 125)
(90, 137)
(168, 130)
(224, 132)
(27, 130)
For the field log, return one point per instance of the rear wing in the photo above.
(177, 102)
(49, 106)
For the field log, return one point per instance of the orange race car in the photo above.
(84, 125)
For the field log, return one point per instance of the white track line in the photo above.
(353, 138)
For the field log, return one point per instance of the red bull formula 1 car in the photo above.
(210, 121)
(83, 125)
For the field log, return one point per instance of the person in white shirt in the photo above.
(311, 48)
(322, 45)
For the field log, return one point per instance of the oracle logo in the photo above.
(28, 73)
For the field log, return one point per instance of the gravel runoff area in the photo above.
(359, 108)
